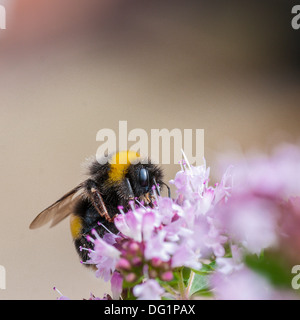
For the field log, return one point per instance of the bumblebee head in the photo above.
(128, 176)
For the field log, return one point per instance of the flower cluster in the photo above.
(236, 239)
(155, 244)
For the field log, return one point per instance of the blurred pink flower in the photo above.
(289, 236)
(244, 284)
(229, 265)
(277, 175)
(149, 290)
(249, 220)
(116, 285)
(185, 256)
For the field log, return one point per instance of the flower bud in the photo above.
(167, 276)
(134, 247)
(152, 274)
(136, 261)
(123, 264)
(156, 262)
(130, 277)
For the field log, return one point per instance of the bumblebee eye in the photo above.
(144, 178)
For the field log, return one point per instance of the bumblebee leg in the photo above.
(97, 200)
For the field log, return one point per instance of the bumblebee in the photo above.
(94, 202)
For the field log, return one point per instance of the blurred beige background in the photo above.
(69, 68)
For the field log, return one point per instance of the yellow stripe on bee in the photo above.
(120, 163)
(76, 226)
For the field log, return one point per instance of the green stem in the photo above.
(181, 285)
(188, 288)
(170, 290)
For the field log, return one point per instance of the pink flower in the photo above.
(185, 256)
(104, 256)
(148, 224)
(130, 225)
(137, 224)
(181, 183)
(206, 201)
(246, 212)
(167, 209)
(158, 247)
(289, 237)
(223, 189)
(177, 230)
(277, 175)
(229, 265)
(191, 181)
(61, 296)
(105, 297)
(206, 237)
(149, 290)
(116, 285)
(245, 284)
(249, 220)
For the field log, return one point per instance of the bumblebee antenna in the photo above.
(169, 190)
(131, 194)
(156, 186)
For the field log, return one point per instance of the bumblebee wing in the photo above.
(59, 210)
